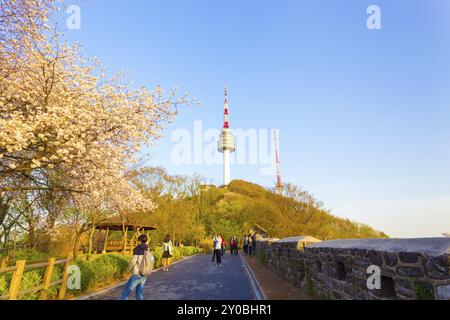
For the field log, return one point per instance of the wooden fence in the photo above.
(19, 269)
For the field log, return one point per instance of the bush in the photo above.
(30, 255)
(102, 269)
(206, 245)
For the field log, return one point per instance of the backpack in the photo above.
(147, 263)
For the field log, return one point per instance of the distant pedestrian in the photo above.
(254, 241)
(223, 246)
(245, 244)
(250, 245)
(141, 266)
(167, 253)
(217, 245)
(236, 244)
(231, 245)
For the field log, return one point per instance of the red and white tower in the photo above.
(226, 143)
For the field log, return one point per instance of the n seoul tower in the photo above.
(226, 143)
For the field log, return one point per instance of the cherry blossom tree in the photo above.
(67, 131)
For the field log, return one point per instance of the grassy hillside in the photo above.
(235, 209)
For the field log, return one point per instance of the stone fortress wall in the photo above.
(410, 268)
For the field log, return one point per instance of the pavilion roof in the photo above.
(133, 222)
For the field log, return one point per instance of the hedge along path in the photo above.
(19, 269)
(88, 296)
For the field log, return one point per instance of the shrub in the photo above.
(206, 245)
(102, 269)
(30, 255)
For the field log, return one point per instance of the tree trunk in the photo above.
(75, 245)
(91, 241)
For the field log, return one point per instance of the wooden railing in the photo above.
(19, 269)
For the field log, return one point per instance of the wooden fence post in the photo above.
(4, 263)
(65, 275)
(16, 280)
(47, 279)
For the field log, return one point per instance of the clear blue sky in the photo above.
(363, 115)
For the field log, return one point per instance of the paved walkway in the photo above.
(196, 278)
(273, 286)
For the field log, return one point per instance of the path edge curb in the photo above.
(254, 281)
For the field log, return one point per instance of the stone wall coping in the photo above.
(267, 239)
(299, 239)
(428, 246)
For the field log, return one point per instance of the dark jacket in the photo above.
(140, 249)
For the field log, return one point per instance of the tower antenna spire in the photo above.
(279, 186)
(226, 124)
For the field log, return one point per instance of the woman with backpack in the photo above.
(141, 265)
(167, 253)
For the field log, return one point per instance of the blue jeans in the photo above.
(135, 281)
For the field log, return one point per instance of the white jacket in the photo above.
(217, 243)
(167, 246)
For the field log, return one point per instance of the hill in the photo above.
(191, 212)
(294, 213)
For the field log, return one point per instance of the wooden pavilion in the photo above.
(101, 232)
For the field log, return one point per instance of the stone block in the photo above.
(375, 258)
(443, 292)
(390, 259)
(437, 267)
(362, 262)
(349, 289)
(404, 287)
(358, 272)
(411, 272)
(409, 257)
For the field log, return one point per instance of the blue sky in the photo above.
(363, 114)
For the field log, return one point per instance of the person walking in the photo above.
(232, 245)
(141, 265)
(250, 245)
(236, 245)
(245, 244)
(223, 246)
(254, 242)
(167, 252)
(217, 242)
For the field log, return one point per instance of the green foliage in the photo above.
(5, 280)
(30, 255)
(31, 279)
(189, 213)
(422, 293)
(102, 269)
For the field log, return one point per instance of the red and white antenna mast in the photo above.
(279, 186)
(226, 124)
